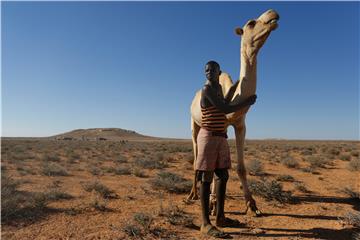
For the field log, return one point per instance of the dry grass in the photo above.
(171, 182)
(270, 190)
(255, 167)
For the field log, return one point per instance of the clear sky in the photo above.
(137, 65)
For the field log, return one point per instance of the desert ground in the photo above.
(136, 189)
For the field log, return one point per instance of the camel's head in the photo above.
(256, 31)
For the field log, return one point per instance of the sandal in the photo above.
(227, 222)
(213, 232)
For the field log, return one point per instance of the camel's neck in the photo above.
(247, 85)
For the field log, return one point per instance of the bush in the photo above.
(177, 216)
(285, 178)
(270, 190)
(290, 162)
(171, 182)
(138, 173)
(354, 164)
(316, 161)
(132, 230)
(143, 219)
(352, 219)
(255, 167)
(51, 157)
(150, 164)
(10, 197)
(122, 171)
(100, 188)
(301, 187)
(121, 159)
(345, 157)
(54, 169)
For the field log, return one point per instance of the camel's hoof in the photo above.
(192, 196)
(253, 209)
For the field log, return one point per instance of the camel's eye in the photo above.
(251, 23)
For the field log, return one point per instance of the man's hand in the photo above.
(250, 100)
(231, 91)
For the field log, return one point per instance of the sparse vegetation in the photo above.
(351, 218)
(301, 187)
(100, 188)
(54, 169)
(354, 164)
(270, 190)
(290, 162)
(345, 157)
(176, 216)
(285, 178)
(171, 182)
(138, 173)
(255, 167)
(150, 164)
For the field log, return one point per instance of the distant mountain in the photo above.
(103, 134)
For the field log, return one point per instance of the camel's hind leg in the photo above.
(194, 132)
(240, 130)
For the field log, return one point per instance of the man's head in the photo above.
(212, 71)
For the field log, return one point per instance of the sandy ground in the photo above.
(321, 202)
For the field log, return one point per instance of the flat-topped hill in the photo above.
(103, 134)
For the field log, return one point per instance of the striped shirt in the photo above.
(213, 119)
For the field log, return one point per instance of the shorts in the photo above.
(207, 176)
(213, 152)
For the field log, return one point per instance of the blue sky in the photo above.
(137, 65)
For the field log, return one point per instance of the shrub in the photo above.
(132, 230)
(354, 164)
(177, 216)
(98, 204)
(255, 167)
(355, 153)
(51, 157)
(171, 182)
(138, 173)
(345, 157)
(95, 170)
(285, 178)
(316, 161)
(10, 197)
(121, 159)
(301, 187)
(150, 164)
(54, 169)
(290, 162)
(122, 171)
(143, 219)
(100, 188)
(352, 219)
(56, 194)
(270, 190)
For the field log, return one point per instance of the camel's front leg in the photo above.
(240, 130)
(194, 132)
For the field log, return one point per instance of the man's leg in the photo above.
(221, 179)
(205, 177)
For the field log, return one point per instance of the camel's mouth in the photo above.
(273, 20)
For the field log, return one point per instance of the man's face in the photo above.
(212, 72)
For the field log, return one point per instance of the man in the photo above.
(213, 149)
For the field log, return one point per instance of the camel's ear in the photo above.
(239, 31)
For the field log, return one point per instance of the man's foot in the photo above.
(227, 222)
(212, 231)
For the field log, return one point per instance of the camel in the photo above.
(254, 34)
